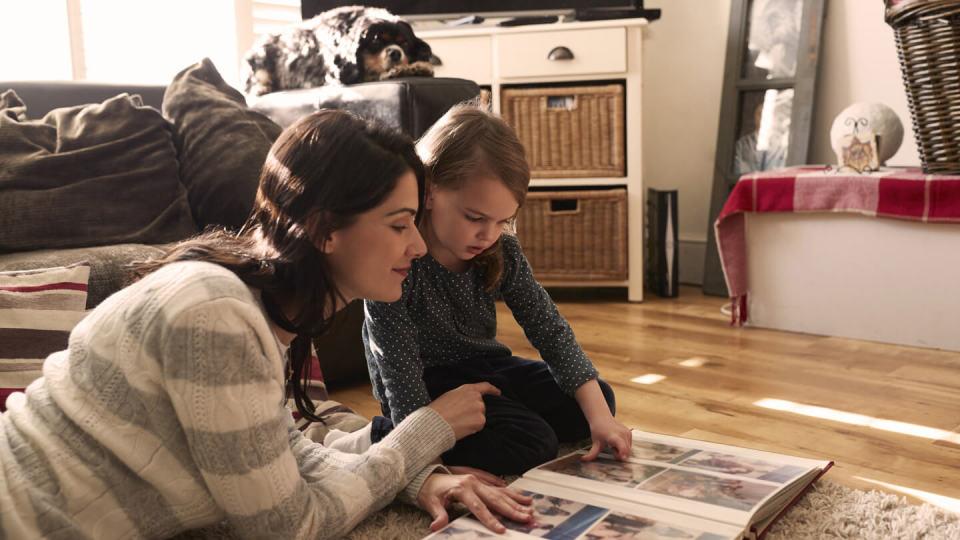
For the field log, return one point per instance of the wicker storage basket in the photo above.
(569, 132)
(928, 43)
(575, 235)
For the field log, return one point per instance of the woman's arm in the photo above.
(224, 374)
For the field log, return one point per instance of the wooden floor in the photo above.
(889, 416)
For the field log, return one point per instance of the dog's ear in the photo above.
(419, 49)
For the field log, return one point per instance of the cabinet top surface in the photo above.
(437, 31)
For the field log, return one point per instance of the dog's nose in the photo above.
(395, 55)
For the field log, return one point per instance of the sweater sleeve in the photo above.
(224, 374)
(393, 356)
(542, 323)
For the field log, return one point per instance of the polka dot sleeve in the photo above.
(393, 358)
(542, 323)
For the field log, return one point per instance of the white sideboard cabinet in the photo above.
(562, 52)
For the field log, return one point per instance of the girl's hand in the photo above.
(483, 476)
(463, 407)
(608, 432)
(440, 490)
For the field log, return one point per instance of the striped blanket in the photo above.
(899, 193)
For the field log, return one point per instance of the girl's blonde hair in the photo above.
(469, 141)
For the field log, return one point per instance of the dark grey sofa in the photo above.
(411, 105)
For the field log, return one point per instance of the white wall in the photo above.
(858, 62)
(683, 60)
(684, 55)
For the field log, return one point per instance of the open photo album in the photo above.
(669, 487)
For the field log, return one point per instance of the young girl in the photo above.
(166, 412)
(442, 332)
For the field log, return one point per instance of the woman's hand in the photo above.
(483, 476)
(440, 490)
(463, 407)
(607, 431)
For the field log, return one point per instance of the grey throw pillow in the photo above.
(222, 144)
(12, 106)
(89, 175)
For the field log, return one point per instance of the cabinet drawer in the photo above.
(602, 50)
(464, 57)
(575, 235)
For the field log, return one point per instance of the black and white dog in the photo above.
(341, 46)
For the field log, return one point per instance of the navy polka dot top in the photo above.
(446, 317)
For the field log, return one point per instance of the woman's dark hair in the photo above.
(320, 174)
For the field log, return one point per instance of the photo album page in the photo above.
(669, 487)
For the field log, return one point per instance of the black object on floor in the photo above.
(662, 242)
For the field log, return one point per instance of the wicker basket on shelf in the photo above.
(569, 132)
(575, 235)
(928, 44)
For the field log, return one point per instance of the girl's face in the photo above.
(465, 222)
(371, 257)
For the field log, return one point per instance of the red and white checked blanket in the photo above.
(901, 193)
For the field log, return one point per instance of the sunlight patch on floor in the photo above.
(649, 378)
(856, 419)
(947, 503)
(696, 361)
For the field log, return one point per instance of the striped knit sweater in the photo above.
(166, 413)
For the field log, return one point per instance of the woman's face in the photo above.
(371, 257)
(466, 221)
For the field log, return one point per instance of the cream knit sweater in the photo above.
(166, 413)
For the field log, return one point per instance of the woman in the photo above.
(166, 411)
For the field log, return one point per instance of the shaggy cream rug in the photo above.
(828, 511)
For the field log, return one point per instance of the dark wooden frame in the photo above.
(735, 86)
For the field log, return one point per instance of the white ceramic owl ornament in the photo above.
(870, 117)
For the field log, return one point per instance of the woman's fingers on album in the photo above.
(436, 508)
(509, 511)
(504, 502)
(480, 511)
(525, 500)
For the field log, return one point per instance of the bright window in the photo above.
(35, 40)
(135, 41)
(121, 41)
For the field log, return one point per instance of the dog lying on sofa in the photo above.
(341, 46)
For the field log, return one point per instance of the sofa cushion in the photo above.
(222, 144)
(89, 175)
(45, 96)
(12, 106)
(109, 265)
(38, 308)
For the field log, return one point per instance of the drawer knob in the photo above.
(560, 53)
(435, 60)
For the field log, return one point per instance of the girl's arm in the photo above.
(224, 375)
(605, 430)
(550, 333)
(542, 323)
